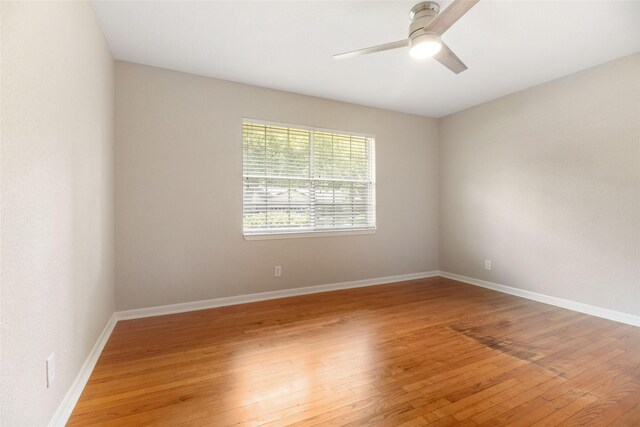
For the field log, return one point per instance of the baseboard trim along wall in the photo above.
(263, 296)
(617, 316)
(63, 412)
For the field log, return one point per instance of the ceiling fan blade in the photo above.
(373, 49)
(449, 59)
(450, 15)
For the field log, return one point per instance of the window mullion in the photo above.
(333, 183)
(288, 154)
(312, 182)
(266, 183)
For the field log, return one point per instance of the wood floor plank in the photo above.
(423, 352)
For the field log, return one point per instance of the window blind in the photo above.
(297, 179)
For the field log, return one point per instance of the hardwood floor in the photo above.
(426, 352)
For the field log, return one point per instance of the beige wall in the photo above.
(57, 200)
(179, 192)
(546, 184)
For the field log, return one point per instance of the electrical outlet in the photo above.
(51, 370)
(487, 264)
(277, 271)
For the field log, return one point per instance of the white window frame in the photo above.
(318, 233)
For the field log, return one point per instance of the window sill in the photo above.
(296, 235)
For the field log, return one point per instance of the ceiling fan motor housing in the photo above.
(421, 15)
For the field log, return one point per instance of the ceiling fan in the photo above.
(425, 31)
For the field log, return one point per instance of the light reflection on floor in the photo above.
(301, 372)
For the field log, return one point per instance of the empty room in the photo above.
(320, 213)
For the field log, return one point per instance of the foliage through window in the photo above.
(299, 180)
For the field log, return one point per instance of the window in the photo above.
(303, 180)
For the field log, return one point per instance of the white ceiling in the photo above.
(507, 45)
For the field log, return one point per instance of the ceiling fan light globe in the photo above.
(425, 46)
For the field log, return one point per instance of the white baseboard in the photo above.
(262, 296)
(605, 313)
(65, 409)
